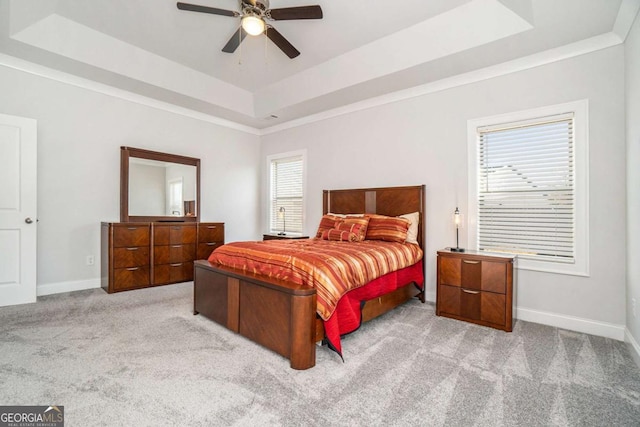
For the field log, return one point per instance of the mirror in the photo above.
(158, 186)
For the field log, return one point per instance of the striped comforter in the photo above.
(333, 268)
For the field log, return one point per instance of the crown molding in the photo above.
(572, 50)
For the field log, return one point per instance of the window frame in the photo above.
(580, 109)
(269, 161)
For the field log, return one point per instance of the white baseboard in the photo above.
(430, 297)
(60, 287)
(578, 324)
(635, 347)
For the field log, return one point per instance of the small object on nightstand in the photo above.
(476, 287)
(282, 237)
(281, 214)
(457, 220)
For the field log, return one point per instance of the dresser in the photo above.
(476, 287)
(141, 254)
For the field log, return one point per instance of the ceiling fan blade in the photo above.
(235, 41)
(206, 9)
(301, 12)
(279, 40)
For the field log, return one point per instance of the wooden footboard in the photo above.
(273, 313)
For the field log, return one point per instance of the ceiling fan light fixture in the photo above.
(253, 25)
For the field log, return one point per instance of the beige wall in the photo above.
(423, 140)
(632, 78)
(79, 137)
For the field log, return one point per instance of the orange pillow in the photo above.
(387, 228)
(356, 225)
(339, 235)
(327, 223)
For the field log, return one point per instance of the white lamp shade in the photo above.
(458, 219)
(253, 25)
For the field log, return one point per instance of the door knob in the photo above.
(28, 220)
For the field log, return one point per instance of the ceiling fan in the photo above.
(253, 16)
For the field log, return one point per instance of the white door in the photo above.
(18, 159)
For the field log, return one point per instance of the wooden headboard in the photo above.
(390, 201)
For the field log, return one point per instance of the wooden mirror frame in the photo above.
(125, 154)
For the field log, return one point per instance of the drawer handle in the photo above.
(176, 265)
(470, 262)
(133, 268)
(132, 249)
(211, 227)
(470, 292)
(211, 243)
(176, 246)
(132, 228)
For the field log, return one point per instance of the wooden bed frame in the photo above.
(282, 316)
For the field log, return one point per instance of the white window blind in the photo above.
(286, 192)
(526, 188)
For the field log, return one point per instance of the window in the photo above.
(175, 196)
(286, 203)
(528, 189)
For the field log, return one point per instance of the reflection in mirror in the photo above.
(160, 188)
(157, 186)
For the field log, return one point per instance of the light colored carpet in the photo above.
(141, 358)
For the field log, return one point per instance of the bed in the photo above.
(283, 315)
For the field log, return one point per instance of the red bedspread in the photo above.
(334, 269)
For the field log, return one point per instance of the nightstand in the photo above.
(282, 237)
(476, 287)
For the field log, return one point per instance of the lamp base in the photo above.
(282, 233)
(456, 249)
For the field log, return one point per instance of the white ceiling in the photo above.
(360, 49)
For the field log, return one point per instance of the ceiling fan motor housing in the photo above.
(256, 8)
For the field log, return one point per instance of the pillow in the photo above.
(339, 235)
(412, 233)
(327, 223)
(387, 228)
(356, 225)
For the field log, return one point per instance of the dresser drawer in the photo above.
(173, 253)
(211, 233)
(174, 234)
(205, 249)
(129, 278)
(130, 235)
(175, 272)
(130, 256)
